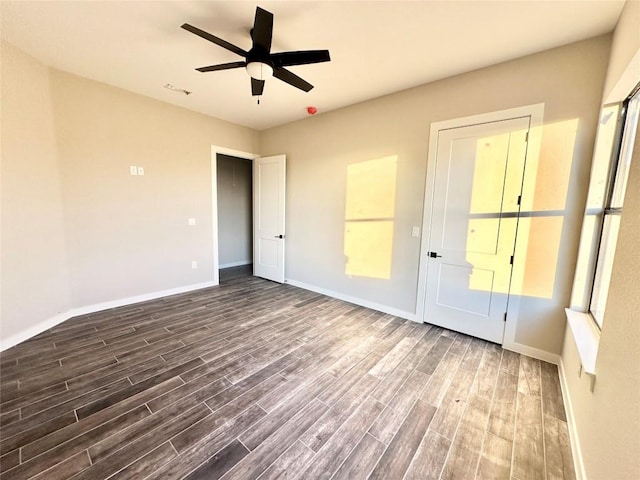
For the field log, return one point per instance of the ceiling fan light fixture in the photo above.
(259, 70)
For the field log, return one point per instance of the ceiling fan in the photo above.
(259, 61)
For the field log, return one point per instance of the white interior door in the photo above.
(476, 196)
(268, 217)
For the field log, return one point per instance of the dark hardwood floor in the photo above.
(233, 273)
(254, 379)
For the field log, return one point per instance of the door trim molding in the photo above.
(215, 149)
(536, 114)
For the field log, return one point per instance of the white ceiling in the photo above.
(377, 47)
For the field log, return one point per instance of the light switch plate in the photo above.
(140, 170)
(191, 221)
(133, 170)
(415, 232)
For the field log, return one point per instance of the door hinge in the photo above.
(519, 199)
(511, 260)
(526, 137)
(505, 316)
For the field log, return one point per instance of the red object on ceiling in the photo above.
(312, 110)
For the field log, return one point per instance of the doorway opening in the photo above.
(263, 215)
(234, 180)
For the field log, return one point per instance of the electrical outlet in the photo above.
(140, 170)
(194, 264)
(133, 170)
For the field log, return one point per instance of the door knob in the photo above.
(434, 255)
(279, 236)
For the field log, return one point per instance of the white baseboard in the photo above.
(355, 300)
(236, 264)
(532, 352)
(574, 440)
(513, 346)
(98, 307)
(34, 330)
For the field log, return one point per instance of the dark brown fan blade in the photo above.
(291, 78)
(222, 66)
(262, 30)
(214, 39)
(257, 86)
(286, 59)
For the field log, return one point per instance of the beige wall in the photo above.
(78, 229)
(607, 420)
(128, 235)
(235, 227)
(34, 274)
(568, 80)
(624, 49)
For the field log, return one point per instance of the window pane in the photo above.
(585, 267)
(630, 127)
(609, 237)
(601, 165)
(604, 267)
(603, 161)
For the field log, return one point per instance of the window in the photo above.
(610, 171)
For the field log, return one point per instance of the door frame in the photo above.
(215, 150)
(536, 113)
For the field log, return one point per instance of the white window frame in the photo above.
(597, 247)
(612, 212)
(613, 208)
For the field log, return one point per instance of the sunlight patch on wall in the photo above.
(369, 217)
(368, 248)
(493, 219)
(554, 166)
(545, 188)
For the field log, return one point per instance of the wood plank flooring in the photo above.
(253, 379)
